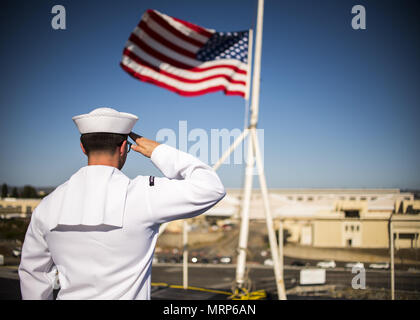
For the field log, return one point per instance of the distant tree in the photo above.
(29, 192)
(4, 190)
(15, 193)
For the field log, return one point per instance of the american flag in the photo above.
(186, 58)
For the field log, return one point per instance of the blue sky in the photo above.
(339, 107)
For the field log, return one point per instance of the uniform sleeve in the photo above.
(36, 265)
(190, 187)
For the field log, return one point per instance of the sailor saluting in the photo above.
(99, 228)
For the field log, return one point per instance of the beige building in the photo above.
(314, 217)
(337, 217)
(17, 207)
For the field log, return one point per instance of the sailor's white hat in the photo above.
(105, 120)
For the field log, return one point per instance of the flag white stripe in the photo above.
(184, 29)
(158, 46)
(184, 72)
(152, 24)
(189, 87)
(166, 55)
(231, 62)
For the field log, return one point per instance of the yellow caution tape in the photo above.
(242, 294)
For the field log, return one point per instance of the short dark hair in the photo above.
(102, 141)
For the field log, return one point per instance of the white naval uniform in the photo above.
(99, 229)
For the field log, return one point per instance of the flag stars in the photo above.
(225, 45)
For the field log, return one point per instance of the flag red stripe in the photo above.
(160, 56)
(164, 24)
(181, 92)
(140, 61)
(145, 47)
(235, 93)
(165, 42)
(194, 27)
(162, 51)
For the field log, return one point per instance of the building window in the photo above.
(411, 210)
(409, 236)
(357, 228)
(352, 214)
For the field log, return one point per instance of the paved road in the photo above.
(222, 276)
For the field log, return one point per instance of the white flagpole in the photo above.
(243, 232)
(257, 65)
(246, 199)
(254, 153)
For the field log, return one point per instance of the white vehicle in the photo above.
(355, 265)
(225, 260)
(194, 259)
(268, 262)
(326, 264)
(17, 252)
(384, 265)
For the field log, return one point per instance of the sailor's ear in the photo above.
(83, 149)
(123, 147)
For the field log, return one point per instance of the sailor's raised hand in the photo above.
(143, 145)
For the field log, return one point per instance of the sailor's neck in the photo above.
(104, 161)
